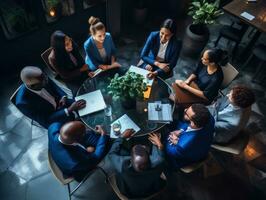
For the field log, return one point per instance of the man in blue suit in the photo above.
(42, 100)
(191, 140)
(161, 51)
(75, 150)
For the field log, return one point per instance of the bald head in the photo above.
(72, 132)
(140, 158)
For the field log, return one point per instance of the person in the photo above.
(99, 47)
(161, 51)
(65, 58)
(75, 150)
(191, 140)
(42, 100)
(203, 84)
(231, 113)
(138, 173)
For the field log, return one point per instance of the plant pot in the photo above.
(129, 103)
(195, 39)
(140, 15)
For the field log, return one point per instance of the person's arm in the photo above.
(146, 50)
(53, 130)
(157, 156)
(57, 89)
(90, 51)
(196, 92)
(175, 54)
(191, 78)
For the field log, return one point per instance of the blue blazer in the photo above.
(37, 108)
(74, 160)
(192, 146)
(151, 48)
(93, 57)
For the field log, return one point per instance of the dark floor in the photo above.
(24, 171)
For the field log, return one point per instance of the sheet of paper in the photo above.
(96, 72)
(247, 16)
(94, 102)
(142, 72)
(126, 123)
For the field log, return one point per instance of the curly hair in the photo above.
(242, 96)
(201, 116)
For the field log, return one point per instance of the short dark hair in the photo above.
(140, 158)
(169, 24)
(242, 96)
(218, 56)
(201, 115)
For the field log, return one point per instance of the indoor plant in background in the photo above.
(203, 13)
(127, 88)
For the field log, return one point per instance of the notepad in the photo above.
(94, 102)
(247, 16)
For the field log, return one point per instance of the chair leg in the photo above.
(216, 42)
(246, 63)
(69, 191)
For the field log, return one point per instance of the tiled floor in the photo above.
(24, 171)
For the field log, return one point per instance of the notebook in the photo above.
(160, 112)
(94, 102)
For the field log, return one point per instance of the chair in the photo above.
(260, 53)
(239, 143)
(112, 182)
(191, 168)
(230, 73)
(45, 56)
(13, 101)
(233, 34)
(67, 180)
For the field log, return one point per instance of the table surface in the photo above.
(257, 9)
(159, 92)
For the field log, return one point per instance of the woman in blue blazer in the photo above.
(99, 47)
(161, 51)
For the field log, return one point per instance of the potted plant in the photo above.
(197, 34)
(127, 88)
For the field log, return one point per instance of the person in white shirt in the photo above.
(42, 100)
(161, 51)
(231, 113)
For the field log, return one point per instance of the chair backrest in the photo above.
(195, 166)
(13, 96)
(45, 56)
(112, 181)
(229, 73)
(57, 171)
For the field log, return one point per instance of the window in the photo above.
(16, 17)
(54, 9)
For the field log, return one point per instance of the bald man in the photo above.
(42, 100)
(138, 173)
(75, 150)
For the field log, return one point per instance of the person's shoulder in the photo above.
(88, 41)
(54, 127)
(22, 94)
(154, 33)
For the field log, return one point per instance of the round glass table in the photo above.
(160, 91)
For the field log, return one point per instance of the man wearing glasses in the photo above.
(191, 140)
(42, 100)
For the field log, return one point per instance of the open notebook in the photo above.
(94, 102)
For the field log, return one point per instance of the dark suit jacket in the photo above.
(37, 108)
(137, 184)
(151, 48)
(74, 160)
(192, 146)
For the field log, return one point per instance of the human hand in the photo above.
(77, 105)
(90, 149)
(156, 140)
(103, 67)
(62, 102)
(115, 64)
(161, 65)
(99, 129)
(84, 68)
(149, 67)
(173, 139)
(177, 132)
(151, 75)
(91, 74)
(128, 133)
(181, 83)
(166, 68)
(187, 81)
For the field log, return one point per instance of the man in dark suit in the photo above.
(42, 100)
(75, 150)
(138, 174)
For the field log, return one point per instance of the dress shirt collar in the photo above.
(73, 144)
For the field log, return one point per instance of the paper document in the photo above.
(142, 72)
(94, 102)
(159, 112)
(97, 71)
(125, 123)
(247, 16)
